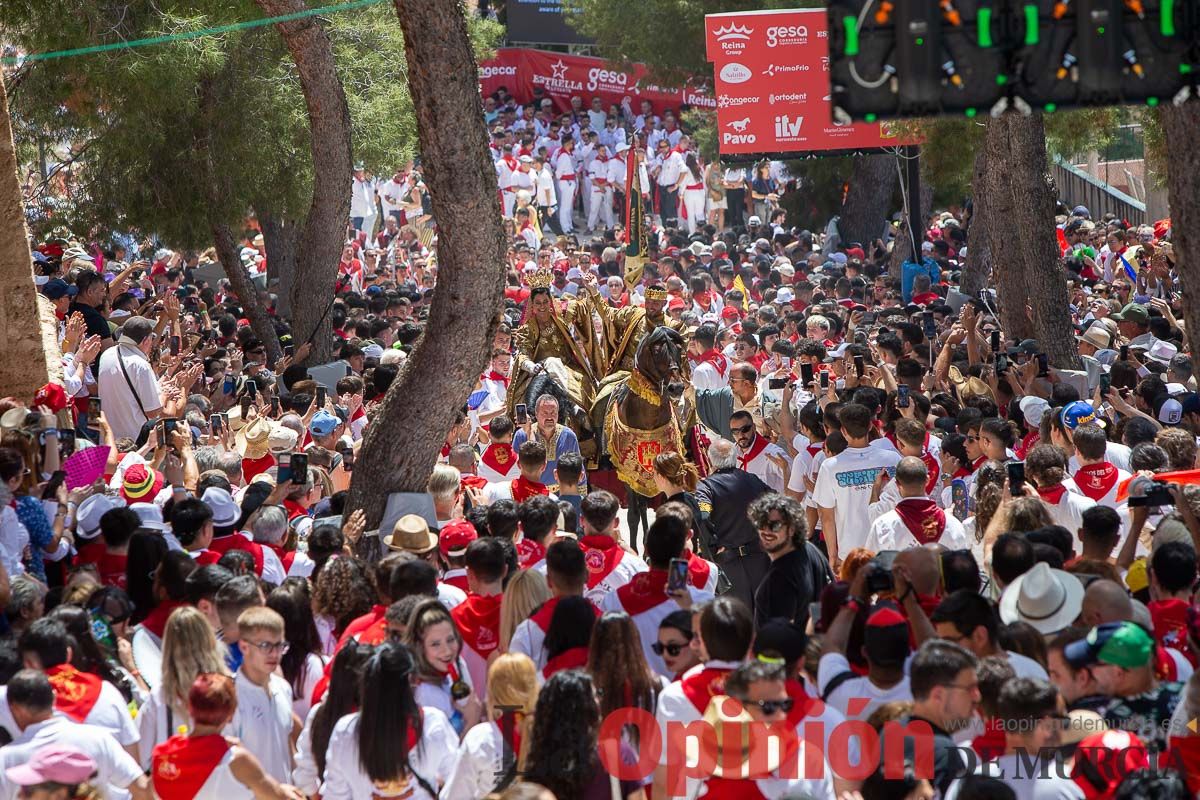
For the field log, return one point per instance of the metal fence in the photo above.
(1078, 188)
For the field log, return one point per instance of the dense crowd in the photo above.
(898, 556)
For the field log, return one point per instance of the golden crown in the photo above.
(656, 294)
(541, 279)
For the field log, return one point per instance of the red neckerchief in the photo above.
(803, 702)
(478, 621)
(932, 466)
(977, 463)
(645, 591)
(601, 554)
(294, 510)
(496, 376)
(156, 620)
(991, 743)
(523, 489)
(182, 764)
(286, 557)
(473, 481)
(1096, 480)
(457, 581)
(510, 730)
(360, 624)
(757, 446)
(235, 541)
(924, 520)
(813, 449)
(961, 472)
(703, 299)
(511, 163)
(75, 692)
(1028, 442)
(698, 570)
(500, 457)
(527, 226)
(715, 358)
(575, 658)
(529, 553)
(1165, 668)
(253, 467)
(1052, 494)
(736, 788)
(703, 685)
(445, 450)
(1170, 623)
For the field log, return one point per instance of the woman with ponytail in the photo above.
(392, 747)
(492, 754)
(341, 698)
(677, 479)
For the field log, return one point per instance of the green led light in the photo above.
(1100, 30)
(851, 26)
(870, 118)
(971, 113)
(1185, 69)
(1050, 108)
(920, 41)
(984, 27)
(1167, 17)
(1001, 80)
(1152, 101)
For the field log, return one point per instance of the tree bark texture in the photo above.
(216, 186)
(281, 238)
(979, 251)
(404, 438)
(325, 226)
(1181, 124)
(867, 203)
(29, 355)
(1020, 223)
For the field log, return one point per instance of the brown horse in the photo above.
(638, 420)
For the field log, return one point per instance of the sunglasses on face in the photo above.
(773, 525)
(673, 649)
(769, 707)
(745, 428)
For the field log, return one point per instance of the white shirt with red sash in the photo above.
(498, 463)
(609, 566)
(684, 702)
(196, 768)
(755, 460)
(1066, 505)
(1099, 482)
(645, 600)
(432, 758)
(478, 622)
(456, 578)
(710, 371)
(702, 574)
(530, 636)
(82, 697)
(916, 521)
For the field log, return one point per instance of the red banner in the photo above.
(772, 82)
(563, 76)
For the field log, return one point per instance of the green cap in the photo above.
(1134, 312)
(1122, 644)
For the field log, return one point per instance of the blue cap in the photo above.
(323, 423)
(57, 288)
(373, 290)
(1079, 413)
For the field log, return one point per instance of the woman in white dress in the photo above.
(492, 754)
(393, 747)
(340, 698)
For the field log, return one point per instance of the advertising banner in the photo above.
(771, 72)
(561, 77)
(540, 22)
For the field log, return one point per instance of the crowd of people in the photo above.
(899, 556)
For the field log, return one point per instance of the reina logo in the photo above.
(778, 35)
(735, 73)
(787, 129)
(734, 38)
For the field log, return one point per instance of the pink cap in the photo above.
(53, 764)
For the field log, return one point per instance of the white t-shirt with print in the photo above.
(844, 484)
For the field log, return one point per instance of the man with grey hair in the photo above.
(723, 498)
(127, 385)
(26, 603)
(557, 438)
(270, 528)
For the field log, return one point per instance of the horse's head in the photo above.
(659, 358)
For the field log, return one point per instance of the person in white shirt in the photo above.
(710, 369)
(392, 747)
(1046, 467)
(690, 187)
(390, 193)
(843, 489)
(491, 752)
(565, 174)
(646, 119)
(31, 702)
(1096, 477)
(545, 196)
(756, 453)
(264, 720)
(673, 165)
(363, 190)
(597, 116)
(649, 597)
(127, 365)
(601, 209)
(916, 520)
(566, 575)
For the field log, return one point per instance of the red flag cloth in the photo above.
(1185, 477)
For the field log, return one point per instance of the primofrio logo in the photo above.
(786, 35)
(735, 73)
(784, 69)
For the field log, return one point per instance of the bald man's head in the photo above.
(1105, 601)
(922, 564)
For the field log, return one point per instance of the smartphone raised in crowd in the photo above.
(806, 374)
(283, 467)
(1016, 478)
(175, 344)
(66, 442)
(1043, 365)
(677, 575)
(902, 399)
(299, 466)
(859, 366)
(824, 380)
(56, 480)
(995, 341)
(521, 412)
(320, 397)
(214, 424)
(776, 383)
(1124, 352)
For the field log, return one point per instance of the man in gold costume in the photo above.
(626, 327)
(564, 343)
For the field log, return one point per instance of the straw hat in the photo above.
(411, 533)
(253, 440)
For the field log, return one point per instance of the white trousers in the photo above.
(602, 202)
(693, 201)
(566, 205)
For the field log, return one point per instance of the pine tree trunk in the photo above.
(28, 353)
(329, 133)
(281, 237)
(1024, 231)
(979, 251)
(1181, 123)
(405, 435)
(867, 203)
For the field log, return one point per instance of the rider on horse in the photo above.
(625, 328)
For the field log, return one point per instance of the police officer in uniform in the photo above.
(723, 498)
